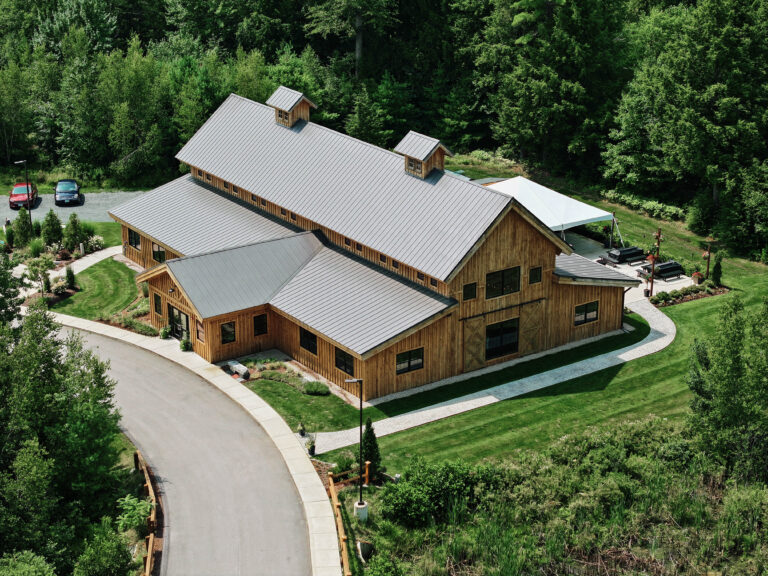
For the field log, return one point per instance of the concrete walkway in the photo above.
(661, 335)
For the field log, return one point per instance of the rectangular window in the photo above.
(345, 362)
(293, 216)
(158, 304)
(359, 247)
(414, 166)
(235, 190)
(433, 282)
(534, 275)
(208, 177)
(199, 172)
(308, 340)
(227, 332)
(158, 253)
(263, 202)
(501, 339)
(585, 313)
(395, 264)
(470, 291)
(226, 186)
(199, 332)
(420, 276)
(409, 361)
(259, 324)
(347, 242)
(254, 199)
(382, 258)
(502, 282)
(134, 239)
(282, 211)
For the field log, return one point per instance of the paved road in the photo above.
(94, 209)
(231, 506)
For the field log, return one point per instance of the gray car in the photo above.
(67, 192)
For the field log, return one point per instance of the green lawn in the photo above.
(110, 231)
(105, 289)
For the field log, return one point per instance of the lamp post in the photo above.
(361, 508)
(26, 183)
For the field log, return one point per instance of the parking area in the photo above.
(94, 208)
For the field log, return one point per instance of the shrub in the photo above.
(95, 243)
(73, 233)
(9, 236)
(51, 233)
(185, 345)
(745, 513)
(59, 288)
(371, 448)
(22, 228)
(345, 461)
(699, 217)
(165, 332)
(25, 563)
(36, 247)
(133, 514)
(87, 231)
(105, 553)
(717, 269)
(406, 503)
(316, 389)
(46, 282)
(69, 276)
(675, 294)
(381, 565)
(145, 289)
(36, 228)
(653, 208)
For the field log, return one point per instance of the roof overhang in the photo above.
(569, 280)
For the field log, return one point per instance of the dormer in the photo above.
(290, 106)
(422, 154)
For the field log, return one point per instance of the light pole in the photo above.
(26, 183)
(359, 381)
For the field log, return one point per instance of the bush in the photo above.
(316, 389)
(9, 236)
(165, 332)
(371, 448)
(95, 243)
(653, 208)
(36, 228)
(46, 282)
(25, 563)
(406, 503)
(105, 554)
(22, 228)
(745, 514)
(145, 289)
(69, 276)
(185, 345)
(717, 269)
(36, 247)
(699, 218)
(133, 514)
(51, 233)
(73, 233)
(345, 461)
(381, 565)
(59, 288)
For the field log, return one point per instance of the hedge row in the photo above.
(653, 208)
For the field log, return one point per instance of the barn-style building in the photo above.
(354, 260)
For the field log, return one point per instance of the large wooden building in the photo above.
(356, 261)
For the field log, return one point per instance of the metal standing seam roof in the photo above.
(239, 278)
(287, 99)
(580, 268)
(349, 186)
(418, 146)
(192, 218)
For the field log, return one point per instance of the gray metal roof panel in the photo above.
(354, 188)
(355, 303)
(417, 145)
(239, 278)
(286, 99)
(580, 268)
(192, 218)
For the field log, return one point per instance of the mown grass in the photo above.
(110, 231)
(105, 289)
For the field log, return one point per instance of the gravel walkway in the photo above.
(661, 335)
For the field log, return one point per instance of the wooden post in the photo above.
(136, 460)
(653, 262)
(613, 223)
(367, 472)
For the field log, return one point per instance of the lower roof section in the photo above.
(576, 269)
(190, 217)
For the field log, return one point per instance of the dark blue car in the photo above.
(67, 192)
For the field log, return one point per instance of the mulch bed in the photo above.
(322, 469)
(697, 296)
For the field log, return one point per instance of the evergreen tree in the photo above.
(51, 230)
(22, 228)
(9, 292)
(366, 122)
(25, 564)
(73, 233)
(371, 449)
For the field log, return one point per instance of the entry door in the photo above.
(474, 343)
(179, 323)
(531, 321)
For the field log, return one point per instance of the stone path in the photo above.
(661, 335)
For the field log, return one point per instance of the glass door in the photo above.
(179, 323)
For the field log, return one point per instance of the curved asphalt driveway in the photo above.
(231, 506)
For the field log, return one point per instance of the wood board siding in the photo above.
(246, 342)
(562, 305)
(143, 257)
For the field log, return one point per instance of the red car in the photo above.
(23, 194)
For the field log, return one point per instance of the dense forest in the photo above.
(646, 97)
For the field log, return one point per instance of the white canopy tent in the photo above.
(557, 211)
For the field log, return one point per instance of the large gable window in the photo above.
(308, 340)
(409, 361)
(134, 239)
(345, 362)
(502, 282)
(501, 339)
(158, 253)
(585, 313)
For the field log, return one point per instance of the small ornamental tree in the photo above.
(22, 228)
(52, 233)
(72, 233)
(371, 449)
(37, 269)
(717, 269)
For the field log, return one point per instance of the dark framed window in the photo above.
(282, 212)
(502, 282)
(420, 276)
(414, 166)
(433, 282)
(199, 172)
(359, 247)
(226, 186)
(263, 202)
(283, 117)
(227, 332)
(501, 338)
(158, 253)
(199, 332)
(534, 275)
(345, 362)
(235, 190)
(208, 177)
(293, 216)
(308, 340)
(395, 264)
(409, 361)
(254, 199)
(585, 313)
(470, 291)
(382, 258)
(260, 325)
(347, 242)
(158, 304)
(134, 239)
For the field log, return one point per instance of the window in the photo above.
(534, 275)
(345, 362)
(199, 172)
(208, 177)
(282, 212)
(227, 332)
(308, 340)
(263, 202)
(409, 361)
(199, 332)
(585, 313)
(470, 291)
(420, 276)
(283, 117)
(158, 253)
(293, 216)
(259, 324)
(347, 242)
(414, 166)
(382, 258)
(226, 186)
(254, 199)
(158, 304)
(502, 282)
(358, 247)
(134, 239)
(395, 264)
(433, 282)
(501, 338)
(235, 190)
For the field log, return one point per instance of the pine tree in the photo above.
(51, 231)
(22, 228)
(371, 448)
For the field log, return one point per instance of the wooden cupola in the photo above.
(422, 154)
(290, 106)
